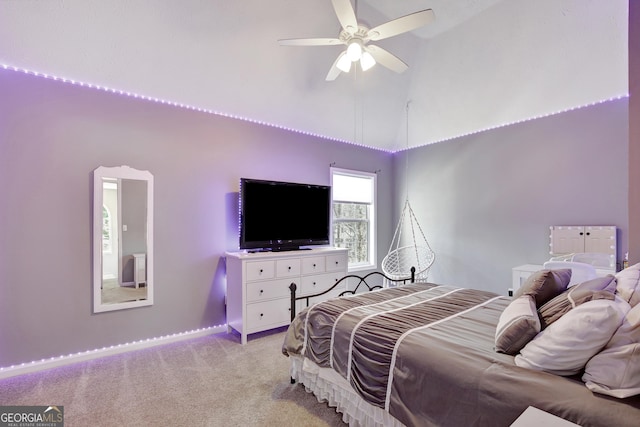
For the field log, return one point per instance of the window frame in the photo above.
(371, 234)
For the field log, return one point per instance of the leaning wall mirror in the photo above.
(122, 238)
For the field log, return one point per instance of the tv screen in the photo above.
(278, 215)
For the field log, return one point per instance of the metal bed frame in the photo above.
(362, 280)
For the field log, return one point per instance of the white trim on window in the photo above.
(357, 188)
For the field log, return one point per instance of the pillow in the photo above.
(615, 371)
(580, 271)
(605, 283)
(565, 346)
(545, 284)
(598, 288)
(628, 287)
(517, 325)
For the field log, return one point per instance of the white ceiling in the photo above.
(481, 64)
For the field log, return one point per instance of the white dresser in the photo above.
(258, 295)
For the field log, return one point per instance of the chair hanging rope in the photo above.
(414, 252)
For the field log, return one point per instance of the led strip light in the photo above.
(180, 105)
(591, 104)
(52, 362)
(259, 122)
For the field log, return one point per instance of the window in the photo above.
(353, 216)
(107, 231)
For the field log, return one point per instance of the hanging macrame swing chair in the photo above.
(415, 252)
(407, 251)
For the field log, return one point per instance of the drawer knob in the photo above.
(261, 314)
(261, 270)
(314, 266)
(337, 262)
(261, 291)
(289, 267)
(314, 283)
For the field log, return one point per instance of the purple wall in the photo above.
(53, 135)
(486, 201)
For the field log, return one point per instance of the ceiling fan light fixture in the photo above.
(354, 50)
(367, 61)
(344, 63)
(356, 38)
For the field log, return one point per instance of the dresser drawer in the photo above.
(310, 285)
(337, 262)
(268, 289)
(268, 314)
(313, 265)
(260, 270)
(288, 267)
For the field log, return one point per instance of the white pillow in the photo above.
(567, 344)
(616, 369)
(628, 286)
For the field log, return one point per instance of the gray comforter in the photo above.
(425, 354)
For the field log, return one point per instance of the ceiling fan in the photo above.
(357, 37)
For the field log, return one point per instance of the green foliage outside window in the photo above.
(351, 230)
(106, 231)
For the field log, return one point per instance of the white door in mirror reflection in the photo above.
(123, 248)
(110, 234)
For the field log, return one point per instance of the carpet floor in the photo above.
(207, 381)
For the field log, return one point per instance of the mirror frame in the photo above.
(119, 172)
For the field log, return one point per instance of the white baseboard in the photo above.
(41, 365)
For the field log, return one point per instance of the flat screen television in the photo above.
(280, 216)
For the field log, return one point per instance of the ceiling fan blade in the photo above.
(310, 42)
(334, 71)
(386, 59)
(346, 15)
(401, 25)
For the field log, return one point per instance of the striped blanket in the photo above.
(367, 338)
(425, 354)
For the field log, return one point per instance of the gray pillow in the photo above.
(598, 288)
(544, 285)
(566, 301)
(518, 324)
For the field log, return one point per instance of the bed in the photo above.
(422, 354)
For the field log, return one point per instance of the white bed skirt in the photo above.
(328, 386)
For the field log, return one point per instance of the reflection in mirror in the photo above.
(122, 238)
